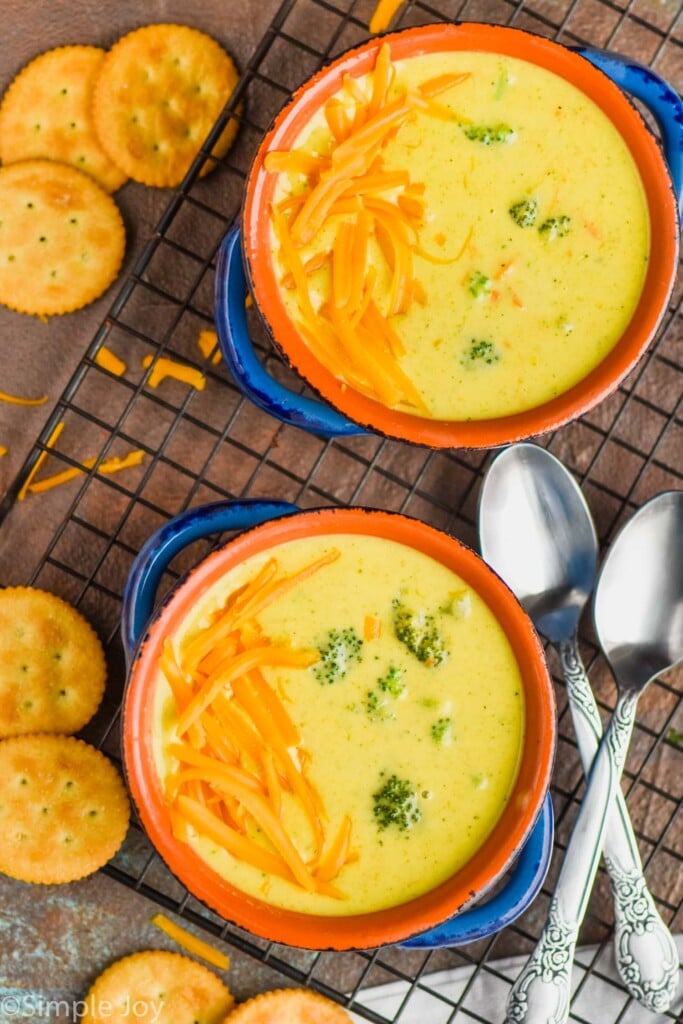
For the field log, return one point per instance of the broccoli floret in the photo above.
(524, 213)
(479, 284)
(441, 730)
(419, 633)
(555, 227)
(459, 604)
(392, 682)
(377, 707)
(396, 803)
(487, 134)
(480, 351)
(341, 650)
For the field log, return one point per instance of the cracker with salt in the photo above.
(289, 1006)
(158, 93)
(63, 809)
(46, 112)
(61, 238)
(52, 667)
(156, 987)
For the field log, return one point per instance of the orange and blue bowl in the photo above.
(517, 850)
(246, 255)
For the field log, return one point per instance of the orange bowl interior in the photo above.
(491, 860)
(587, 392)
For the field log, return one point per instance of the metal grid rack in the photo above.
(203, 446)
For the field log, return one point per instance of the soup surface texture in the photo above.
(515, 254)
(411, 719)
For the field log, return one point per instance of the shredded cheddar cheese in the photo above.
(237, 749)
(51, 441)
(383, 15)
(191, 943)
(349, 190)
(165, 367)
(3, 450)
(111, 362)
(207, 342)
(112, 465)
(15, 400)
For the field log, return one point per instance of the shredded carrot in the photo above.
(16, 400)
(191, 943)
(51, 441)
(207, 342)
(165, 367)
(445, 260)
(242, 848)
(108, 360)
(372, 627)
(383, 15)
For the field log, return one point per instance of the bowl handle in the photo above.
(157, 553)
(520, 889)
(243, 363)
(663, 103)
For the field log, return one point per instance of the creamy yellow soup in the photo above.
(534, 196)
(437, 716)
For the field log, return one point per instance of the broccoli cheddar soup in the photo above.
(339, 724)
(459, 235)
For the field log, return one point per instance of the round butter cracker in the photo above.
(156, 987)
(159, 91)
(289, 1006)
(61, 238)
(46, 112)
(63, 809)
(52, 667)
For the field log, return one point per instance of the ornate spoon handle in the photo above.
(646, 954)
(542, 991)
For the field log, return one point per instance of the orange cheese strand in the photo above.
(338, 120)
(278, 713)
(16, 400)
(333, 860)
(382, 78)
(383, 15)
(441, 83)
(51, 441)
(108, 360)
(294, 161)
(191, 943)
(206, 823)
(260, 810)
(3, 450)
(244, 662)
(112, 465)
(207, 342)
(278, 588)
(165, 367)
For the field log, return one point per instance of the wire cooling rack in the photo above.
(207, 445)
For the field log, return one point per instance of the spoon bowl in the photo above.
(536, 530)
(641, 579)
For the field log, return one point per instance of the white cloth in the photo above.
(599, 999)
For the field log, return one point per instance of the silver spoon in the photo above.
(639, 621)
(536, 530)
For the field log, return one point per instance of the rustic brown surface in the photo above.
(54, 940)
